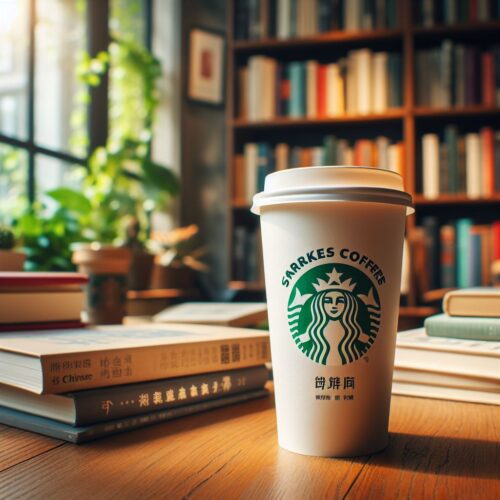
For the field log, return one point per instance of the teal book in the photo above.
(395, 81)
(451, 140)
(330, 150)
(462, 231)
(264, 164)
(297, 106)
(468, 328)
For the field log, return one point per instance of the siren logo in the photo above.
(334, 314)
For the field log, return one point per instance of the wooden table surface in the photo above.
(438, 449)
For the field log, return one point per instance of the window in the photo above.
(49, 120)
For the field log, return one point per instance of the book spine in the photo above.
(321, 91)
(312, 89)
(488, 79)
(473, 165)
(102, 405)
(462, 231)
(297, 90)
(430, 159)
(496, 155)
(488, 161)
(283, 18)
(462, 328)
(431, 225)
(78, 371)
(451, 139)
(474, 258)
(447, 235)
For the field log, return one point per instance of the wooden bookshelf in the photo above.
(409, 122)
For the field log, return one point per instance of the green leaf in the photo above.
(159, 178)
(71, 200)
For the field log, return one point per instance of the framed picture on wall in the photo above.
(206, 66)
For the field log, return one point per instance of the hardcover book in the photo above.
(473, 302)
(472, 328)
(70, 360)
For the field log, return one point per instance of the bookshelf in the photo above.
(407, 123)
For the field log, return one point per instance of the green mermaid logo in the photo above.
(334, 314)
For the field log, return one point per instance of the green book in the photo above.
(443, 325)
(462, 228)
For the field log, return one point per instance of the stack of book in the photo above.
(430, 13)
(260, 159)
(457, 355)
(257, 19)
(364, 82)
(466, 164)
(458, 75)
(457, 254)
(56, 300)
(82, 384)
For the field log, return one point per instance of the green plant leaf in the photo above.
(160, 179)
(71, 200)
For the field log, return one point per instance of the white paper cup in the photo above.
(333, 242)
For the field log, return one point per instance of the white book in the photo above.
(363, 79)
(251, 154)
(334, 90)
(317, 157)
(255, 87)
(430, 165)
(312, 89)
(416, 350)
(380, 82)
(282, 153)
(283, 18)
(352, 15)
(352, 86)
(473, 165)
(383, 152)
(443, 392)
(214, 313)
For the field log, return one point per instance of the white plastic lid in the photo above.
(320, 184)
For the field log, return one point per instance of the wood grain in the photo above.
(17, 446)
(438, 449)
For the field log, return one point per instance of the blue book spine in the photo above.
(463, 227)
(475, 260)
(262, 165)
(451, 140)
(297, 106)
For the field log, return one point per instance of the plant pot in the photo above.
(172, 277)
(11, 261)
(106, 291)
(141, 268)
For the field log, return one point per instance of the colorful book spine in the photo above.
(463, 253)
(448, 262)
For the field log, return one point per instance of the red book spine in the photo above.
(488, 84)
(321, 91)
(495, 230)
(472, 10)
(487, 146)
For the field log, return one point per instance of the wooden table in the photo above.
(438, 449)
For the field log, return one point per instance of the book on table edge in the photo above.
(49, 325)
(473, 302)
(416, 350)
(215, 313)
(121, 401)
(449, 393)
(32, 280)
(70, 360)
(77, 435)
(471, 328)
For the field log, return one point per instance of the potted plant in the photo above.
(10, 259)
(177, 258)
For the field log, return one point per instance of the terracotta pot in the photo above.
(172, 277)
(141, 268)
(10, 260)
(107, 268)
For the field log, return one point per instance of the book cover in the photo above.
(473, 165)
(472, 328)
(32, 281)
(70, 360)
(448, 263)
(297, 106)
(431, 226)
(77, 435)
(430, 170)
(417, 350)
(488, 79)
(475, 276)
(363, 61)
(110, 403)
(251, 155)
(451, 140)
(395, 81)
(488, 160)
(283, 18)
(380, 82)
(482, 302)
(463, 252)
(321, 92)
(215, 313)
(313, 89)
(446, 74)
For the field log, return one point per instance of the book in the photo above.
(463, 251)
(76, 435)
(483, 302)
(27, 281)
(215, 313)
(430, 151)
(70, 360)
(448, 258)
(444, 392)
(472, 328)
(416, 350)
(121, 401)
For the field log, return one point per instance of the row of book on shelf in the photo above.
(461, 163)
(364, 82)
(79, 384)
(261, 19)
(455, 74)
(260, 159)
(430, 13)
(456, 254)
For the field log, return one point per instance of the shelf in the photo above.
(285, 122)
(456, 112)
(161, 293)
(482, 29)
(454, 199)
(324, 39)
(246, 286)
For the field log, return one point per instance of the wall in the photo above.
(204, 192)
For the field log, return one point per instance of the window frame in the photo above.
(98, 39)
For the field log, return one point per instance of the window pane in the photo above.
(60, 108)
(13, 182)
(52, 173)
(13, 67)
(127, 20)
